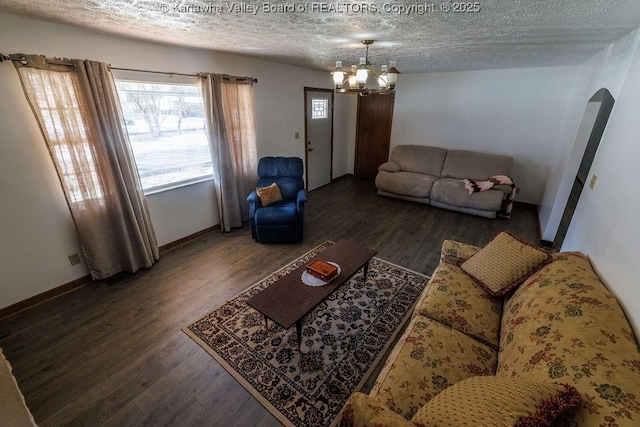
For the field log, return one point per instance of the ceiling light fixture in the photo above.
(362, 79)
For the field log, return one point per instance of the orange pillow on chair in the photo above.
(269, 194)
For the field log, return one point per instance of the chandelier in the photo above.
(362, 79)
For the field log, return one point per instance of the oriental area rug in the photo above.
(343, 339)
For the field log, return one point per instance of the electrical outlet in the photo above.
(296, 135)
(592, 183)
(74, 259)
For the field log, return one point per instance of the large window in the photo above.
(61, 111)
(165, 122)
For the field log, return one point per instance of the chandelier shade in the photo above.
(338, 75)
(362, 78)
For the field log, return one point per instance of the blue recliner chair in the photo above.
(283, 221)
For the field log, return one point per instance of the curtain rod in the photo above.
(23, 61)
(168, 73)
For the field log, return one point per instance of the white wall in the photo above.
(605, 225)
(182, 211)
(514, 112)
(36, 230)
(35, 225)
(608, 69)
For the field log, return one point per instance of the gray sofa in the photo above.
(434, 176)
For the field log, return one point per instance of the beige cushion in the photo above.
(504, 263)
(362, 411)
(453, 252)
(428, 358)
(419, 159)
(455, 299)
(389, 167)
(463, 164)
(405, 183)
(269, 194)
(453, 192)
(498, 401)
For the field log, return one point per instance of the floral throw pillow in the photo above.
(495, 400)
(269, 194)
(505, 262)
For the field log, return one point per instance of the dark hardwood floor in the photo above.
(114, 353)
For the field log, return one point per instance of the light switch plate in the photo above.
(592, 183)
(296, 135)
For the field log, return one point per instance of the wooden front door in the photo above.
(373, 133)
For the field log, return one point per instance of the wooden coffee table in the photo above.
(288, 300)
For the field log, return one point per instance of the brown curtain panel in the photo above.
(229, 117)
(77, 108)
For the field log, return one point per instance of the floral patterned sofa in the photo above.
(561, 329)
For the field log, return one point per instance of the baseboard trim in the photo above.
(338, 178)
(541, 241)
(187, 239)
(45, 296)
(85, 280)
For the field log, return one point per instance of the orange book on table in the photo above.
(322, 269)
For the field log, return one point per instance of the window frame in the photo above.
(122, 76)
(324, 110)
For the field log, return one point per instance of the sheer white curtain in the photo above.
(229, 116)
(78, 111)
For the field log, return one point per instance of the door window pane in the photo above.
(320, 108)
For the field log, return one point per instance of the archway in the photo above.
(595, 116)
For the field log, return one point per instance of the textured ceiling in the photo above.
(433, 36)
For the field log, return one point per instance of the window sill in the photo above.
(175, 185)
